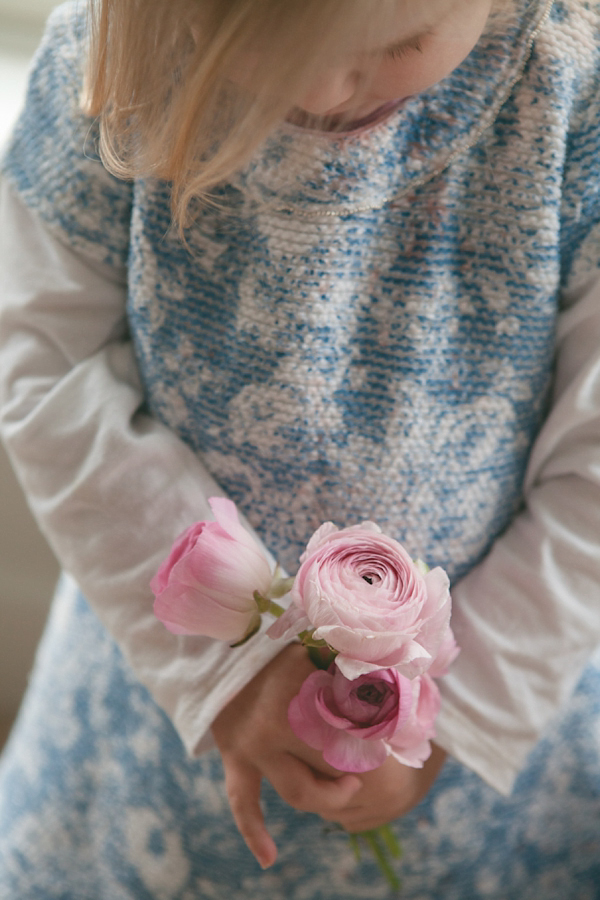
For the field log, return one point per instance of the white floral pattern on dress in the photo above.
(99, 802)
(400, 346)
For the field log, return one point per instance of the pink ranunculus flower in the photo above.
(363, 594)
(410, 744)
(207, 583)
(447, 653)
(358, 724)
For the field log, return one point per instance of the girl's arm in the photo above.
(528, 617)
(110, 486)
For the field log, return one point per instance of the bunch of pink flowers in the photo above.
(376, 622)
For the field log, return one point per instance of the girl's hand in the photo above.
(255, 741)
(389, 792)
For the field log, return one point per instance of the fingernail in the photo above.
(266, 857)
(265, 862)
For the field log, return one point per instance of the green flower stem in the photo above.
(355, 846)
(275, 609)
(321, 657)
(372, 839)
(378, 840)
(390, 840)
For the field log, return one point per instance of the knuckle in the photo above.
(236, 800)
(297, 796)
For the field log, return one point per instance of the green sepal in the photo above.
(321, 657)
(253, 628)
(261, 602)
(307, 639)
(421, 566)
(279, 586)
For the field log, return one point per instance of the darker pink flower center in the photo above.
(375, 694)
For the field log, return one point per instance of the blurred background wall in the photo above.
(27, 568)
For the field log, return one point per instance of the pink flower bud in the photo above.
(206, 585)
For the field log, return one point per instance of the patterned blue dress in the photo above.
(347, 321)
(100, 802)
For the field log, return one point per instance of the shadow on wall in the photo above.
(28, 573)
(18, 41)
(28, 570)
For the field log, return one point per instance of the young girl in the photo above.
(340, 256)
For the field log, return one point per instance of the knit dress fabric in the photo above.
(363, 328)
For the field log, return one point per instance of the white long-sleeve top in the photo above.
(393, 293)
(71, 418)
(68, 374)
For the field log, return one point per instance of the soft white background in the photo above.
(27, 568)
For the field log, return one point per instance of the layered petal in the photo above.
(350, 721)
(363, 594)
(351, 754)
(181, 613)
(291, 623)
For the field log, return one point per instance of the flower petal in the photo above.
(347, 753)
(226, 514)
(318, 539)
(180, 547)
(413, 756)
(182, 613)
(222, 567)
(304, 719)
(445, 656)
(289, 624)
(352, 668)
(384, 650)
(421, 723)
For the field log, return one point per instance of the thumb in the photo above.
(304, 789)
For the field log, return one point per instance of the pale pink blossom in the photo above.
(410, 744)
(206, 585)
(362, 593)
(447, 653)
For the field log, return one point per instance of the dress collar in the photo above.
(314, 174)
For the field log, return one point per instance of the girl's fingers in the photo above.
(302, 788)
(242, 783)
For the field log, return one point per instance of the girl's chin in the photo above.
(335, 120)
(348, 112)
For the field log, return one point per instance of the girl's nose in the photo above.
(330, 90)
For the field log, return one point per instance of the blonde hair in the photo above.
(158, 71)
(158, 79)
